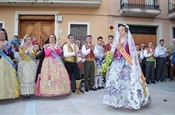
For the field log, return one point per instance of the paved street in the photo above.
(91, 104)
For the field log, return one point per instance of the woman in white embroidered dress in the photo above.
(125, 88)
(27, 67)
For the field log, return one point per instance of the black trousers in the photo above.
(149, 71)
(160, 69)
(142, 65)
(73, 71)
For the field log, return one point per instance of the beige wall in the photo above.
(96, 17)
(161, 21)
(97, 27)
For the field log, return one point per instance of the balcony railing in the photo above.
(171, 6)
(145, 4)
(139, 8)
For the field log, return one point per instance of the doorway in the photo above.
(39, 26)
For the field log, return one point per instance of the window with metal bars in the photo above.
(173, 32)
(149, 30)
(79, 31)
(1, 25)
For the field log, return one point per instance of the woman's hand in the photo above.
(77, 52)
(36, 47)
(172, 65)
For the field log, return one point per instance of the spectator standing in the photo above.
(160, 54)
(150, 64)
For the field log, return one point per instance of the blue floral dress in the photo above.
(123, 88)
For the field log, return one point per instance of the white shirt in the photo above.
(66, 53)
(141, 55)
(86, 52)
(98, 51)
(69, 54)
(146, 55)
(160, 51)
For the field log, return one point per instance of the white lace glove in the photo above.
(83, 60)
(26, 51)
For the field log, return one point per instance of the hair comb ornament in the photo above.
(23, 40)
(173, 39)
(126, 26)
(26, 36)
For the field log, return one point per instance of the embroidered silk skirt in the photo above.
(53, 80)
(27, 75)
(9, 86)
(123, 88)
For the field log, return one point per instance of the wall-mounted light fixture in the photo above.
(59, 18)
